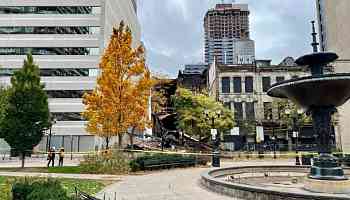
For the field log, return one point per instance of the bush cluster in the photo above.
(166, 160)
(38, 189)
(107, 163)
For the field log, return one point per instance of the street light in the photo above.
(295, 128)
(215, 137)
(52, 122)
(274, 144)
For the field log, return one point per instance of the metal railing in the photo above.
(79, 195)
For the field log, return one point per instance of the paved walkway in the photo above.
(177, 184)
(35, 162)
(70, 176)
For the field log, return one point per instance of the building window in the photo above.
(50, 51)
(249, 85)
(55, 72)
(279, 79)
(225, 84)
(268, 110)
(68, 116)
(66, 93)
(227, 105)
(266, 83)
(237, 84)
(49, 30)
(238, 111)
(250, 111)
(47, 10)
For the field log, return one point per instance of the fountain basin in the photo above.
(269, 182)
(320, 58)
(325, 90)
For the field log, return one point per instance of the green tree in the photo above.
(294, 112)
(27, 114)
(3, 102)
(196, 111)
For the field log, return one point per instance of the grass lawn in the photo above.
(89, 186)
(60, 170)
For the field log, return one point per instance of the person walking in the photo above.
(51, 157)
(61, 157)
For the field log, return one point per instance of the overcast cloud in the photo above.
(173, 33)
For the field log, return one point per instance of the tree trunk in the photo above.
(23, 156)
(120, 140)
(199, 143)
(107, 142)
(131, 137)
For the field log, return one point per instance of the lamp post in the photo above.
(52, 122)
(295, 128)
(274, 144)
(215, 137)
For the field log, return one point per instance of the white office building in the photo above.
(66, 38)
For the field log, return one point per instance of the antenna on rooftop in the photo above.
(232, 1)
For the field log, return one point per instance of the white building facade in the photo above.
(67, 39)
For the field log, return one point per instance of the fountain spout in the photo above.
(314, 43)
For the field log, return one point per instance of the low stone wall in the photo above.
(213, 180)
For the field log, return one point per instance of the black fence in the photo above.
(79, 195)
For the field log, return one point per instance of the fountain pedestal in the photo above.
(327, 167)
(319, 95)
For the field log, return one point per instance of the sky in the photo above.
(173, 33)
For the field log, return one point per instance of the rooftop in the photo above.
(229, 6)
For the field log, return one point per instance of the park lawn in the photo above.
(58, 170)
(64, 170)
(90, 187)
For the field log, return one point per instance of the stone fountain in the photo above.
(319, 95)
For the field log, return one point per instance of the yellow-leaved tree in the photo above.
(139, 115)
(120, 90)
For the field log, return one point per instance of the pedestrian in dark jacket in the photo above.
(51, 157)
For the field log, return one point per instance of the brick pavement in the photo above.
(176, 184)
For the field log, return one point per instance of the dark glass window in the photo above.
(225, 83)
(249, 84)
(237, 84)
(50, 51)
(7, 72)
(52, 72)
(266, 81)
(279, 79)
(295, 76)
(268, 110)
(66, 93)
(48, 30)
(46, 10)
(250, 110)
(64, 72)
(238, 110)
(68, 116)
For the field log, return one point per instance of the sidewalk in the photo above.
(68, 176)
(175, 184)
(35, 162)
